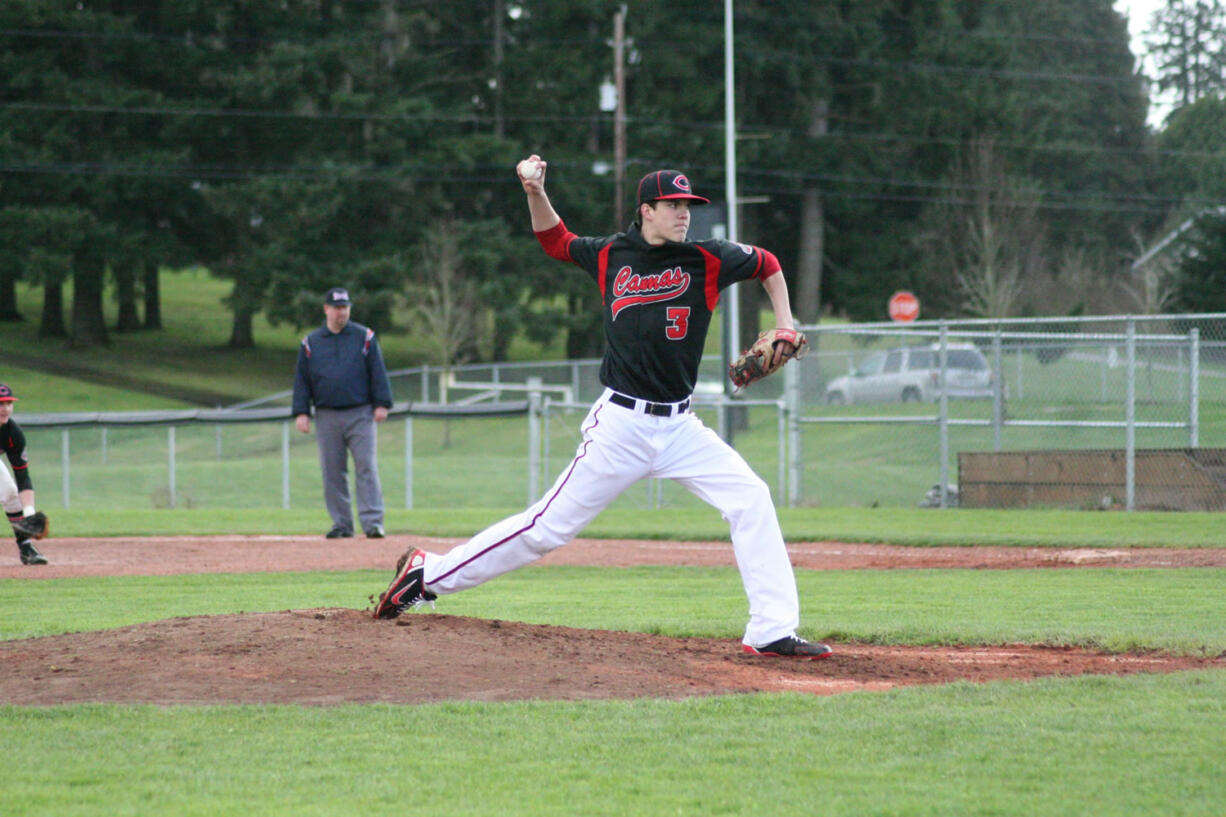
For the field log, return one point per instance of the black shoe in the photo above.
(375, 532)
(338, 533)
(408, 589)
(791, 646)
(29, 554)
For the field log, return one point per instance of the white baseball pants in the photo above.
(9, 496)
(621, 446)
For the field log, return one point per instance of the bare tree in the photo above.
(443, 301)
(989, 235)
(1151, 283)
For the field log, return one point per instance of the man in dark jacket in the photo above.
(341, 372)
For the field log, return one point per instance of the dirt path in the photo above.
(332, 656)
(246, 554)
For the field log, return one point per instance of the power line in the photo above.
(148, 110)
(834, 185)
(485, 119)
(192, 39)
(747, 18)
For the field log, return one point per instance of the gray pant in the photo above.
(338, 432)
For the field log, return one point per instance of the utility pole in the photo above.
(619, 115)
(732, 303)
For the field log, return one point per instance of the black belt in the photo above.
(655, 409)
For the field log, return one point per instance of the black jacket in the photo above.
(340, 370)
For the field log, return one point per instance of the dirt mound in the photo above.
(334, 656)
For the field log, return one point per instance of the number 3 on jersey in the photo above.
(678, 322)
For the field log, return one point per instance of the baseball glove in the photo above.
(769, 352)
(35, 526)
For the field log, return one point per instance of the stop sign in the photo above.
(903, 306)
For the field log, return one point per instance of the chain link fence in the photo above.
(1105, 412)
(1102, 412)
(430, 455)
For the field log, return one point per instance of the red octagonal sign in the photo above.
(904, 306)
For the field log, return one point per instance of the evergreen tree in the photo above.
(1187, 39)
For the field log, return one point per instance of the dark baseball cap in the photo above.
(6, 394)
(667, 184)
(337, 296)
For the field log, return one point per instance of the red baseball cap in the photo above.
(6, 394)
(667, 184)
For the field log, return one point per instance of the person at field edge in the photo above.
(658, 292)
(16, 489)
(341, 373)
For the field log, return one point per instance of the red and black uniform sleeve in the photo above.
(13, 441)
(556, 241)
(740, 262)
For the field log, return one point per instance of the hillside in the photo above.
(187, 364)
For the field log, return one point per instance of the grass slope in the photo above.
(190, 353)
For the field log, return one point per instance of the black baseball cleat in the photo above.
(408, 589)
(338, 533)
(30, 554)
(375, 532)
(791, 646)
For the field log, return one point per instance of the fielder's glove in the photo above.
(769, 352)
(34, 526)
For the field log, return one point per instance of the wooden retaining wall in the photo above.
(1182, 479)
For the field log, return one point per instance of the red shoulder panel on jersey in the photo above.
(602, 270)
(711, 279)
(556, 241)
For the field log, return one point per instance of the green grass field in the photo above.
(1136, 745)
(1082, 746)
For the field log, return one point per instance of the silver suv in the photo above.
(913, 373)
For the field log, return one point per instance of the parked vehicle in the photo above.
(913, 374)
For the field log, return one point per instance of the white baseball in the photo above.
(529, 169)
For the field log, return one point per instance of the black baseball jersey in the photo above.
(13, 443)
(658, 302)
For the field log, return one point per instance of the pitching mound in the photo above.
(333, 656)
